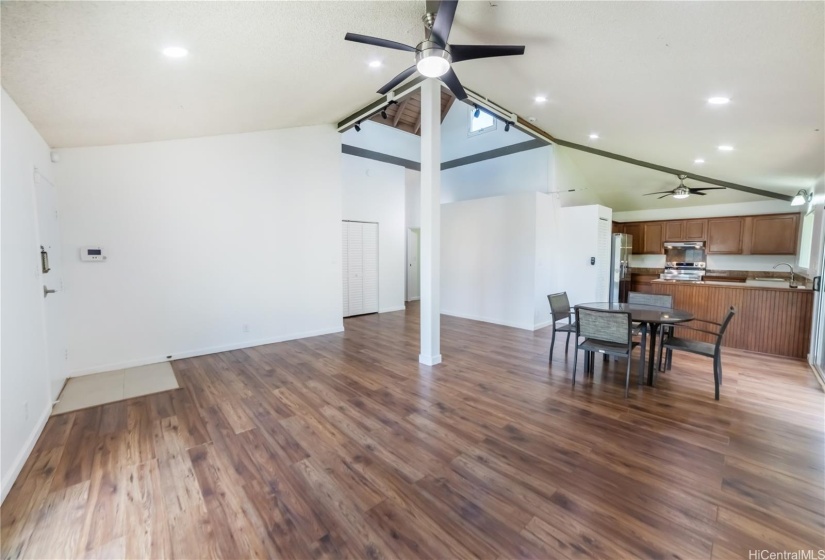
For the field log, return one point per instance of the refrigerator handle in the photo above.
(817, 282)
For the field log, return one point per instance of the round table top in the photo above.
(643, 313)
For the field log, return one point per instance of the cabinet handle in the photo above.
(817, 283)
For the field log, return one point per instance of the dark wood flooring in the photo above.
(343, 446)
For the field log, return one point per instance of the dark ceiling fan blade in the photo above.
(660, 192)
(699, 193)
(451, 81)
(665, 196)
(469, 52)
(397, 80)
(443, 22)
(697, 189)
(375, 41)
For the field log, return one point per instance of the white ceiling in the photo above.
(638, 73)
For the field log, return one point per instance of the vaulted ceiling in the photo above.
(636, 73)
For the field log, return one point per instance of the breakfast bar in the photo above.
(770, 319)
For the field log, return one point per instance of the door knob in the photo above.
(47, 291)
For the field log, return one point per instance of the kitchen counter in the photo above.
(749, 284)
(769, 319)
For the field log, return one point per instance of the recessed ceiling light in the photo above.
(719, 100)
(698, 160)
(594, 136)
(540, 99)
(725, 148)
(375, 64)
(175, 52)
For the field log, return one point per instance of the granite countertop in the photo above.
(749, 285)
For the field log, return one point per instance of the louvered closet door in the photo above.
(360, 268)
(369, 256)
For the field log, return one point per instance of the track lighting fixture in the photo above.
(384, 110)
(507, 126)
(358, 126)
(477, 112)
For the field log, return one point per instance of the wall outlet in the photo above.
(246, 328)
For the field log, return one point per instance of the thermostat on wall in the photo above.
(92, 254)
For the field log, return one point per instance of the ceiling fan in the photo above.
(434, 56)
(683, 191)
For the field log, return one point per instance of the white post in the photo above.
(430, 222)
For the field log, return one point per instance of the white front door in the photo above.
(51, 276)
(413, 269)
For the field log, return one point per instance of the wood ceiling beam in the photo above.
(399, 109)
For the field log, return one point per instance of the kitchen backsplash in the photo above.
(721, 262)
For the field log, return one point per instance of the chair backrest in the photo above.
(659, 300)
(607, 326)
(725, 321)
(559, 306)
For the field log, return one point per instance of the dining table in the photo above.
(652, 317)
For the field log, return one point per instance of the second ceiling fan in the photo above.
(434, 56)
(683, 191)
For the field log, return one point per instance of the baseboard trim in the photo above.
(543, 324)
(204, 351)
(391, 309)
(523, 326)
(429, 360)
(22, 457)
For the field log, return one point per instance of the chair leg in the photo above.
(661, 351)
(719, 359)
(575, 360)
(668, 359)
(627, 378)
(716, 378)
(592, 362)
(567, 343)
(642, 354)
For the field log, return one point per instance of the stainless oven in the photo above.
(684, 261)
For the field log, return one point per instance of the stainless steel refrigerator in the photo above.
(621, 248)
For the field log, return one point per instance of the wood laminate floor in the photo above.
(343, 446)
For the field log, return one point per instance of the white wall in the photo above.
(489, 258)
(579, 234)
(203, 237)
(549, 261)
(455, 142)
(520, 172)
(374, 191)
(25, 404)
(412, 198)
(384, 139)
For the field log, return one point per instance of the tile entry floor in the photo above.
(111, 386)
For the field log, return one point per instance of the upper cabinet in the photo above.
(775, 234)
(726, 236)
(653, 234)
(772, 234)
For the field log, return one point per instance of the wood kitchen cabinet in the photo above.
(636, 231)
(774, 234)
(695, 230)
(653, 234)
(675, 230)
(617, 227)
(726, 235)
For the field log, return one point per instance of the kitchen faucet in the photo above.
(792, 283)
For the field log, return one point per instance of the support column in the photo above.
(430, 222)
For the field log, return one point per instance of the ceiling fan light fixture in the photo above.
(681, 192)
(431, 60)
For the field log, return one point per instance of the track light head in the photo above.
(477, 112)
(384, 114)
(507, 126)
(358, 126)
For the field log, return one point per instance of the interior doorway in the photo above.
(51, 276)
(413, 267)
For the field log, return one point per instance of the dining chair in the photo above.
(659, 300)
(707, 349)
(560, 310)
(608, 332)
